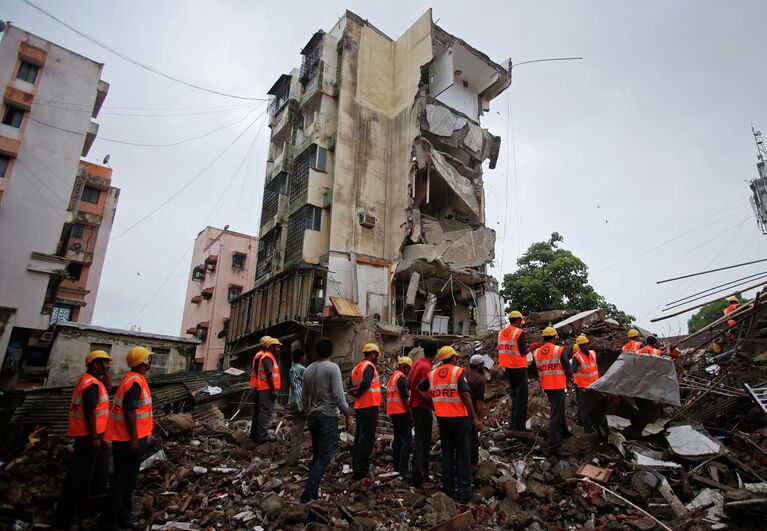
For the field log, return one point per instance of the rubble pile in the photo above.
(682, 468)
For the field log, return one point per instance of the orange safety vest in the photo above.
(632, 346)
(371, 397)
(443, 387)
(262, 384)
(650, 351)
(728, 311)
(551, 375)
(77, 426)
(254, 369)
(116, 428)
(394, 404)
(508, 348)
(587, 372)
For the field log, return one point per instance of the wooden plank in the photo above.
(346, 307)
(710, 482)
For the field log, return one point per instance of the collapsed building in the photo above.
(373, 215)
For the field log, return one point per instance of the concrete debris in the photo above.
(579, 322)
(463, 190)
(178, 423)
(688, 442)
(457, 244)
(442, 121)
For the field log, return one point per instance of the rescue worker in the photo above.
(88, 415)
(130, 424)
(423, 419)
(734, 302)
(585, 372)
(398, 409)
(268, 386)
(254, 386)
(366, 389)
(512, 355)
(634, 343)
(651, 348)
(447, 389)
(553, 373)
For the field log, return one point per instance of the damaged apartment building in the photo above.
(373, 216)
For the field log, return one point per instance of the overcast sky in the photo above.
(637, 155)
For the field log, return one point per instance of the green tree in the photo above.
(706, 315)
(551, 278)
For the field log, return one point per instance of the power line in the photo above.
(712, 271)
(71, 107)
(134, 61)
(711, 291)
(140, 144)
(189, 182)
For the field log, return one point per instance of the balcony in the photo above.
(19, 98)
(284, 117)
(90, 137)
(282, 163)
(322, 82)
(101, 95)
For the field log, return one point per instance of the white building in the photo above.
(55, 210)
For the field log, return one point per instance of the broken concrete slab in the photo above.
(461, 186)
(688, 442)
(578, 322)
(459, 244)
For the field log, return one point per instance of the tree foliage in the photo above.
(706, 315)
(551, 278)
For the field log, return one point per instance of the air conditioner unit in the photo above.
(77, 246)
(367, 220)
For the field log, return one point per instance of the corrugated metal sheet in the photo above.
(346, 307)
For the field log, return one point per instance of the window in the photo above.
(207, 294)
(4, 163)
(106, 347)
(266, 248)
(295, 244)
(299, 179)
(91, 195)
(278, 185)
(319, 158)
(74, 270)
(61, 312)
(160, 360)
(77, 230)
(234, 292)
(28, 72)
(313, 217)
(198, 273)
(13, 116)
(238, 261)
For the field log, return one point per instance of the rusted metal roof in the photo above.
(346, 307)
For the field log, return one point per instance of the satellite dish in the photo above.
(106, 159)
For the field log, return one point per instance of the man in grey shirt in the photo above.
(323, 397)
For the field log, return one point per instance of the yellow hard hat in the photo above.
(633, 333)
(405, 360)
(581, 340)
(549, 332)
(96, 355)
(446, 352)
(370, 347)
(576, 348)
(732, 299)
(514, 314)
(137, 355)
(264, 340)
(271, 342)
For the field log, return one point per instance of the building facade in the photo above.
(70, 343)
(223, 265)
(373, 211)
(56, 210)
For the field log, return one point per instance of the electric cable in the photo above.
(134, 61)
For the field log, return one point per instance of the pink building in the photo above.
(222, 268)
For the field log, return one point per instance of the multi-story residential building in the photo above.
(373, 209)
(223, 264)
(56, 210)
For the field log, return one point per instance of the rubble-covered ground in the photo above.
(701, 465)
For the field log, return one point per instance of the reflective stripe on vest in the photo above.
(116, 428)
(254, 370)
(371, 397)
(394, 404)
(587, 372)
(632, 346)
(508, 348)
(77, 426)
(651, 351)
(443, 387)
(728, 311)
(262, 383)
(551, 375)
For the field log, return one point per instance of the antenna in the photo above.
(761, 152)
